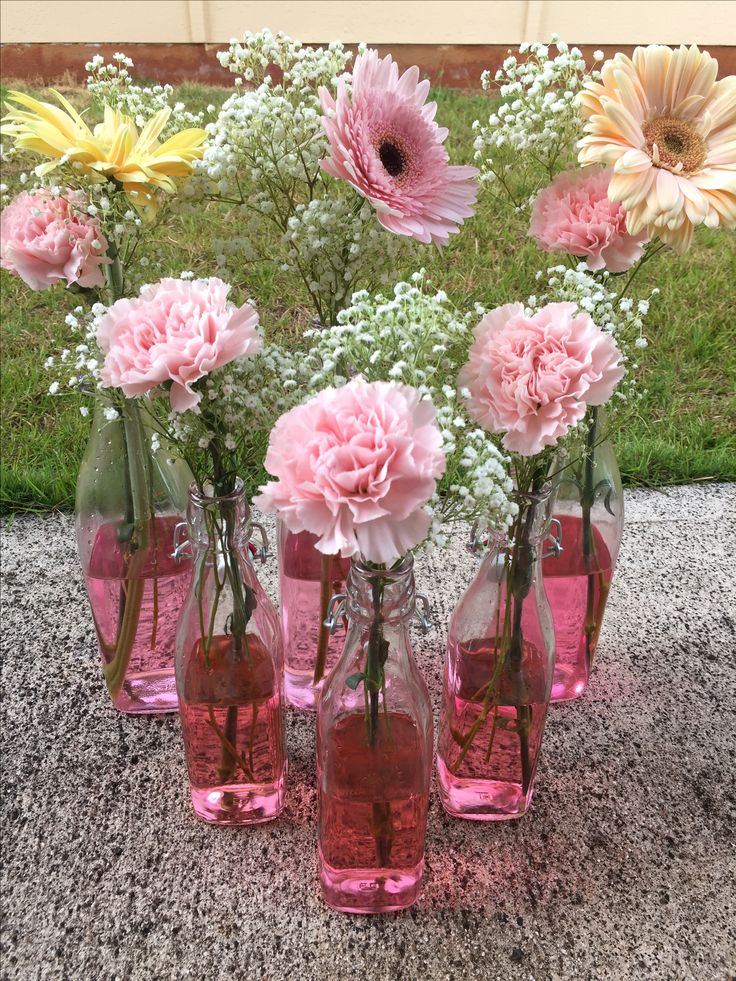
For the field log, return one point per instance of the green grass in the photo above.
(683, 429)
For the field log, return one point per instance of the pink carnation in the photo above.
(385, 142)
(574, 215)
(175, 331)
(355, 466)
(532, 378)
(46, 239)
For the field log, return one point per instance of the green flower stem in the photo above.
(222, 533)
(374, 684)
(137, 531)
(518, 575)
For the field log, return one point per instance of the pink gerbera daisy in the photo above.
(385, 142)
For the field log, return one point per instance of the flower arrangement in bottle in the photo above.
(91, 210)
(413, 335)
(356, 466)
(530, 375)
(609, 195)
(181, 337)
(289, 155)
(325, 205)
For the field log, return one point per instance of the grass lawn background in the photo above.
(684, 427)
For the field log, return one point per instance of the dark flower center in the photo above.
(392, 158)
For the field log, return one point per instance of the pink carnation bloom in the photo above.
(46, 239)
(575, 215)
(532, 378)
(175, 331)
(355, 466)
(385, 142)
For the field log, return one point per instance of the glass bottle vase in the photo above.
(131, 493)
(307, 580)
(498, 677)
(374, 750)
(589, 506)
(229, 670)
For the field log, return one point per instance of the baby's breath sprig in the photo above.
(263, 161)
(530, 136)
(416, 336)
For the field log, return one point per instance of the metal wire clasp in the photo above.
(423, 616)
(262, 552)
(182, 545)
(335, 611)
(477, 541)
(554, 537)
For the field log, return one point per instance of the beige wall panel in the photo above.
(378, 21)
(26, 21)
(641, 21)
(604, 22)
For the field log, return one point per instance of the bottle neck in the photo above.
(219, 523)
(531, 524)
(385, 594)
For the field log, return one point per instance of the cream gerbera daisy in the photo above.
(669, 130)
(114, 150)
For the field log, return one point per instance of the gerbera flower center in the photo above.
(674, 144)
(393, 155)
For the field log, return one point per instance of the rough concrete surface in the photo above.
(624, 868)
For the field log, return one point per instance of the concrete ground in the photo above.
(624, 868)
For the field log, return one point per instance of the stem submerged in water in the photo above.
(508, 648)
(135, 535)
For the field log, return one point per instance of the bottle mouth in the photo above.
(368, 572)
(205, 497)
(537, 497)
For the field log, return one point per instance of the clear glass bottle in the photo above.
(498, 676)
(131, 493)
(229, 670)
(374, 750)
(307, 580)
(589, 506)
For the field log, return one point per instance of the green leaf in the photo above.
(354, 680)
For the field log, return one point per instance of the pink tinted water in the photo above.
(232, 723)
(149, 684)
(373, 815)
(301, 567)
(566, 585)
(489, 783)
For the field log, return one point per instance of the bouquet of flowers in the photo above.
(332, 176)
(91, 210)
(531, 373)
(179, 338)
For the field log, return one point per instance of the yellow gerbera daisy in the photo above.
(669, 129)
(114, 150)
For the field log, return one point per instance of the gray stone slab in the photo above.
(624, 868)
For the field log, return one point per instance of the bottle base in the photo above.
(300, 690)
(239, 803)
(481, 800)
(147, 693)
(370, 891)
(570, 681)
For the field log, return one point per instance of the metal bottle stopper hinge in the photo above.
(336, 612)
(183, 546)
(553, 536)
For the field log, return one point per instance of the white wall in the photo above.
(377, 21)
